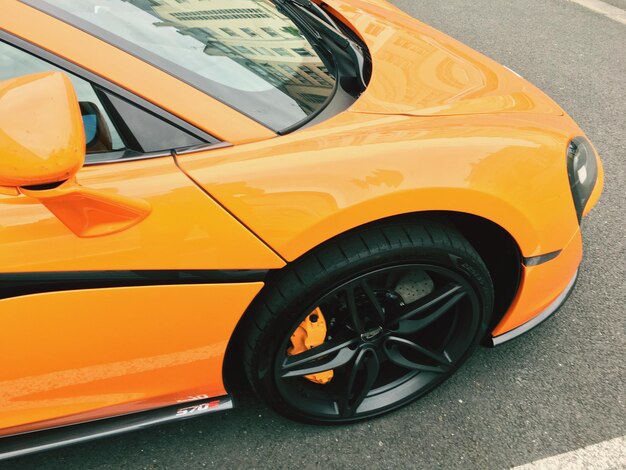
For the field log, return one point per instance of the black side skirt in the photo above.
(37, 441)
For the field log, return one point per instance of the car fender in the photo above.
(297, 191)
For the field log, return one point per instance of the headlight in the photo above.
(582, 169)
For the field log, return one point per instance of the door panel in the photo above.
(185, 229)
(85, 349)
(80, 355)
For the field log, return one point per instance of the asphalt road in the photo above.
(557, 389)
(617, 3)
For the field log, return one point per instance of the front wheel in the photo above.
(368, 322)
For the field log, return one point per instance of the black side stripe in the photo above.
(19, 284)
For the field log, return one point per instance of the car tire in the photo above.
(403, 306)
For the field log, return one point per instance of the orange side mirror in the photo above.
(42, 147)
(42, 140)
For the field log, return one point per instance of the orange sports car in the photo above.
(329, 197)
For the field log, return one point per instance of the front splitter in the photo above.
(535, 321)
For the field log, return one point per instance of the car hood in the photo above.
(419, 71)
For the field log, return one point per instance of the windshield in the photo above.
(242, 52)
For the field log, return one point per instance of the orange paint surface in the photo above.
(206, 237)
(141, 348)
(440, 128)
(28, 105)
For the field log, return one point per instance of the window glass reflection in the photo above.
(243, 52)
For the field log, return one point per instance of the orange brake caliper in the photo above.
(310, 334)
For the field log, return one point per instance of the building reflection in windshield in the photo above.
(256, 36)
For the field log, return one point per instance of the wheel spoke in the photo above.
(378, 308)
(430, 309)
(421, 306)
(356, 390)
(389, 332)
(353, 311)
(330, 355)
(393, 347)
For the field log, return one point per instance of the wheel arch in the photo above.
(496, 246)
(524, 226)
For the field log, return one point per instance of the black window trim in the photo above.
(143, 104)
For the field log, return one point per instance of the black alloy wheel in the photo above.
(404, 305)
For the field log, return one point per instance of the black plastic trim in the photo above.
(150, 132)
(341, 98)
(38, 441)
(131, 141)
(581, 193)
(537, 260)
(107, 85)
(132, 156)
(539, 318)
(119, 156)
(202, 148)
(20, 284)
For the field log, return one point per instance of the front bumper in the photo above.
(543, 289)
(544, 315)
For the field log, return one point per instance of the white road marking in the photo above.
(605, 9)
(607, 455)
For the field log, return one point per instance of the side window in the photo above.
(115, 128)
(101, 135)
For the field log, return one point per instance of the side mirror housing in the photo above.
(42, 147)
(42, 140)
